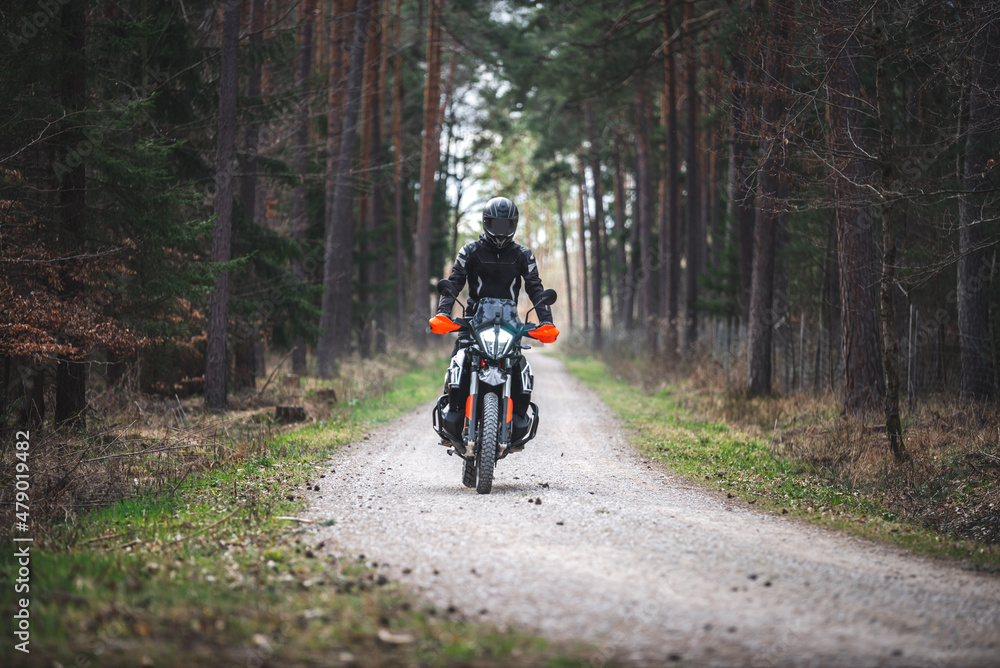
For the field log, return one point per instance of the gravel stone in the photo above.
(633, 559)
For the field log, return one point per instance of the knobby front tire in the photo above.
(487, 455)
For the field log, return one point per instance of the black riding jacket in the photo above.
(497, 273)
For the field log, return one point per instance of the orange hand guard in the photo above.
(442, 324)
(545, 333)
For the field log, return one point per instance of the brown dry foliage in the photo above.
(42, 316)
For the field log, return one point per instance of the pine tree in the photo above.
(772, 187)
(302, 113)
(428, 169)
(977, 202)
(338, 265)
(218, 312)
(670, 223)
(596, 228)
(864, 384)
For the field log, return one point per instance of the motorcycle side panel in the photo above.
(527, 379)
(453, 377)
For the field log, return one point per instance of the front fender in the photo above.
(492, 375)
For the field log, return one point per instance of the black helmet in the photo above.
(500, 221)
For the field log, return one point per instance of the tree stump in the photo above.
(289, 414)
(329, 395)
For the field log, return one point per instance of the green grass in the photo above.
(728, 460)
(208, 575)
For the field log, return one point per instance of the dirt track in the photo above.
(646, 566)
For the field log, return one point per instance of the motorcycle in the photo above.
(489, 430)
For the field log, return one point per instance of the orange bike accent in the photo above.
(545, 333)
(442, 324)
(468, 407)
(510, 408)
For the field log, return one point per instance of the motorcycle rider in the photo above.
(494, 266)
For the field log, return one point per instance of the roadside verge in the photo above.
(217, 569)
(752, 470)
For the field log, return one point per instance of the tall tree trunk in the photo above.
(712, 226)
(368, 203)
(582, 254)
(377, 212)
(383, 266)
(428, 168)
(693, 187)
(6, 385)
(397, 166)
(715, 220)
(338, 34)
(890, 216)
(443, 172)
(299, 222)
(670, 221)
(596, 226)
(218, 308)
(864, 387)
(627, 287)
(32, 409)
(644, 208)
(565, 250)
(704, 139)
(609, 288)
(624, 286)
(634, 306)
(829, 299)
(742, 210)
(338, 266)
(252, 360)
(71, 375)
(978, 203)
(772, 185)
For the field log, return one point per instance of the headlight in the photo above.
(496, 341)
(503, 341)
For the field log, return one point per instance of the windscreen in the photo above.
(488, 309)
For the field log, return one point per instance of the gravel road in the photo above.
(646, 566)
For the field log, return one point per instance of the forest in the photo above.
(773, 227)
(803, 192)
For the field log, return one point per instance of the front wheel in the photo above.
(486, 457)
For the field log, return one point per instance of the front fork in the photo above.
(473, 409)
(506, 414)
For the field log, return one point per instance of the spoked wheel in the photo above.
(469, 473)
(486, 457)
